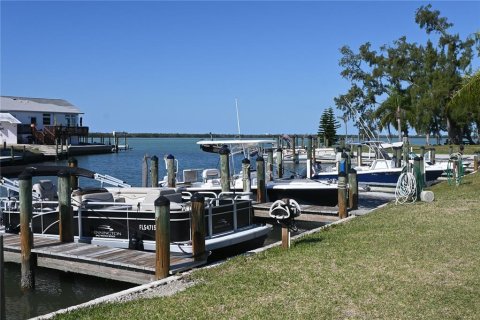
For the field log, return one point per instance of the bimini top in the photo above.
(235, 146)
(236, 142)
(40, 170)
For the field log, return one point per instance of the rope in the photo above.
(406, 190)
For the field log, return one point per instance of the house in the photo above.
(41, 121)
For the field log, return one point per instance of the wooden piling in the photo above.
(198, 227)
(56, 149)
(171, 171)
(154, 171)
(162, 237)
(359, 155)
(399, 157)
(115, 140)
(224, 168)
(313, 143)
(352, 189)
(261, 192)
(27, 280)
(73, 163)
(432, 155)
(418, 175)
(342, 194)
(65, 225)
(145, 171)
(269, 175)
(12, 153)
(247, 184)
(3, 311)
(279, 162)
(294, 151)
(475, 162)
(286, 240)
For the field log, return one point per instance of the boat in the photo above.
(382, 172)
(305, 191)
(123, 216)
(320, 192)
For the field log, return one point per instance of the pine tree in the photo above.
(327, 129)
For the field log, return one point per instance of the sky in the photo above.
(177, 67)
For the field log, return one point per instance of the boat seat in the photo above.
(190, 175)
(208, 174)
(91, 195)
(148, 204)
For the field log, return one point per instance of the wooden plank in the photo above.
(101, 261)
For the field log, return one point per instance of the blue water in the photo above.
(127, 165)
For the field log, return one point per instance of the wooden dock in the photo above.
(309, 212)
(100, 261)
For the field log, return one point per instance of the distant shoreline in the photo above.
(225, 135)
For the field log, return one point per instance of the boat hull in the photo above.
(226, 224)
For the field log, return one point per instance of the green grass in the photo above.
(417, 261)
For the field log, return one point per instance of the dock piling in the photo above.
(261, 192)
(279, 163)
(432, 155)
(27, 280)
(154, 171)
(247, 183)
(73, 163)
(162, 237)
(224, 168)
(475, 162)
(171, 171)
(65, 225)
(352, 189)
(359, 155)
(269, 175)
(145, 171)
(342, 194)
(286, 239)
(294, 151)
(3, 311)
(198, 227)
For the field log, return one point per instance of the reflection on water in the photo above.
(54, 290)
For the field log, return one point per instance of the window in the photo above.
(33, 120)
(46, 119)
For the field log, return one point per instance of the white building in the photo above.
(39, 120)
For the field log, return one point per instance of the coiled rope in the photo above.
(406, 190)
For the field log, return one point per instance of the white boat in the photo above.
(382, 171)
(307, 191)
(124, 217)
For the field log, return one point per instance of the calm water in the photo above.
(54, 290)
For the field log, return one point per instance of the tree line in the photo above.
(407, 85)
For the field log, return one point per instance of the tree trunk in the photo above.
(454, 132)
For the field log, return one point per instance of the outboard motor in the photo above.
(285, 211)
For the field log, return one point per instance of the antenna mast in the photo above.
(238, 126)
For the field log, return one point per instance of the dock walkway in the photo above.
(100, 261)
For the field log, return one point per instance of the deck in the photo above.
(100, 261)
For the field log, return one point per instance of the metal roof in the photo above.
(9, 104)
(7, 117)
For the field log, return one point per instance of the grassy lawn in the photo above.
(417, 261)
